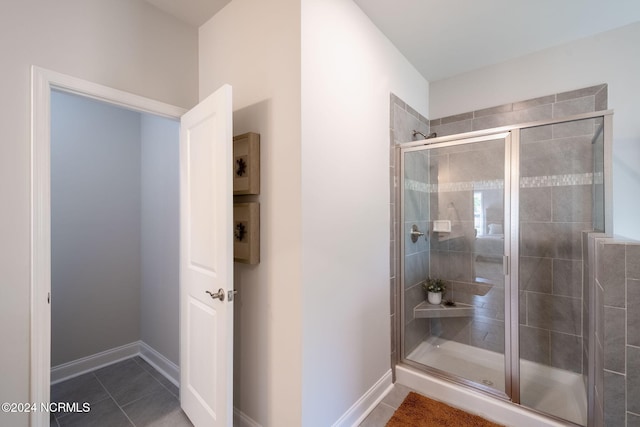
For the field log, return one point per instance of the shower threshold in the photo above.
(550, 390)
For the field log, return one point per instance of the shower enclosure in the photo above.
(500, 215)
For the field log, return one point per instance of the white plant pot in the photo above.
(434, 297)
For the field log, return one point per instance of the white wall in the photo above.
(95, 227)
(159, 235)
(255, 46)
(126, 44)
(610, 57)
(348, 71)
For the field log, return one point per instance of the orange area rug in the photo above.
(420, 411)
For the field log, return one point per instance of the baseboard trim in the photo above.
(68, 370)
(166, 367)
(240, 419)
(363, 407)
(95, 361)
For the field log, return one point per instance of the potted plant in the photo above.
(435, 288)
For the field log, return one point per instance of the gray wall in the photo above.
(125, 44)
(552, 216)
(403, 121)
(95, 223)
(160, 205)
(115, 229)
(615, 274)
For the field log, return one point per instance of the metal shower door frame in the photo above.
(512, 248)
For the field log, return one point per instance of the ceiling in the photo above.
(193, 12)
(443, 38)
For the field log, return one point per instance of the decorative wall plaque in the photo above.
(246, 164)
(246, 232)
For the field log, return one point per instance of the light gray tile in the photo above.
(556, 313)
(566, 352)
(633, 261)
(568, 241)
(535, 274)
(552, 240)
(601, 99)
(379, 417)
(454, 328)
(452, 128)
(127, 381)
(414, 333)
(579, 93)
(413, 112)
(614, 399)
(611, 273)
(493, 110)
(633, 312)
(487, 334)
(396, 396)
(572, 203)
(535, 204)
(530, 103)
(535, 344)
(536, 134)
(573, 129)
(574, 106)
(567, 277)
(395, 100)
(421, 244)
(460, 268)
(415, 269)
(614, 339)
(84, 388)
(633, 420)
(572, 155)
(477, 165)
(160, 409)
(456, 118)
(452, 205)
(435, 122)
(633, 379)
(404, 125)
(412, 297)
(103, 414)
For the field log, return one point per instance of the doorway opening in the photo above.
(46, 85)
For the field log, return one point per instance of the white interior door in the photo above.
(206, 262)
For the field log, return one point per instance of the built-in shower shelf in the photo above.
(427, 310)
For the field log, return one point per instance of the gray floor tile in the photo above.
(103, 414)
(396, 396)
(84, 388)
(159, 409)
(379, 417)
(127, 381)
(158, 376)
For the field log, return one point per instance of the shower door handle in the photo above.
(505, 265)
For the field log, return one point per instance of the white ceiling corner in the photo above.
(193, 12)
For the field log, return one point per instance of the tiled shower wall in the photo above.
(555, 343)
(403, 121)
(617, 284)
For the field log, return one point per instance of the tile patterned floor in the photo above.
(383, 412)
(125, 394)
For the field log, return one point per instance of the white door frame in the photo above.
(42, 82)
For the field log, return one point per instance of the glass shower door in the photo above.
(561, 196)
(454, 193)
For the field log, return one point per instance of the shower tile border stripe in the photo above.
(498, 184)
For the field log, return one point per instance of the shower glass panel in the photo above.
(560, 196)
(454, 193)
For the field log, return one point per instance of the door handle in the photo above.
(218, 295)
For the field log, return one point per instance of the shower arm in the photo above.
(431, 135)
